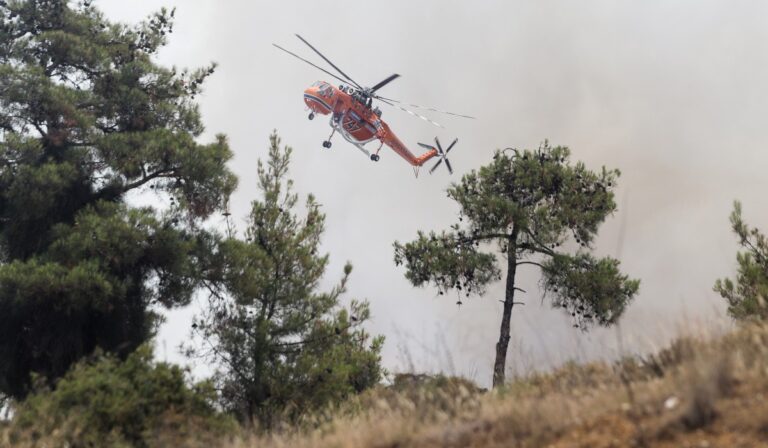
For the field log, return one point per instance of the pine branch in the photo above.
(541, 246)
(485, 237)
(537, 249)
(519, 263)
(113, 191)
(318, 339)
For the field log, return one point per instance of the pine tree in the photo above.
(87, 117)
(282, 347)
(747, 297)
(527, 205)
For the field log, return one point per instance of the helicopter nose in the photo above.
(315, 101)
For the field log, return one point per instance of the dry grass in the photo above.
(696, 393)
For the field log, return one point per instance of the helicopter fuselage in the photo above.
(354, 118)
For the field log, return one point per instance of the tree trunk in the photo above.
(499, 367)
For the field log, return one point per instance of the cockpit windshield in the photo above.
(325, 89)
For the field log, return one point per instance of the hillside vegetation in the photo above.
(695, 393)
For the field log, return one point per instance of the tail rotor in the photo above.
(442, 155)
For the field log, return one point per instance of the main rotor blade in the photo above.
(436, 165)
(385, 82)
(424, 145)
(313, 65)
(426, 108)
(413, 113)
(329, 61)
(451, 145)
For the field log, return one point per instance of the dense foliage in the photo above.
(747, 296)
(283, 347)
(86, 118)
(527, 205)
(105, 402)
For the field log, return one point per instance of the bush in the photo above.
(107, 402)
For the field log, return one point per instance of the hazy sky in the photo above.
(673, 93)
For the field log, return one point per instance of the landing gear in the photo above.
(311, 116)
(327, 143)
(375, 156)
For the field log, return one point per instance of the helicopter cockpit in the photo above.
(323, 88)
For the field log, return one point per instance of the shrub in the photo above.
(103, 401)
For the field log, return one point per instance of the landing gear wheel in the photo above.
(311, 116)
(375, 157)
(326, 144)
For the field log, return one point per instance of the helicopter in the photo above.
(354, 116)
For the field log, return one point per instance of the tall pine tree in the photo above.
(526, 205)
(87, 117)
(283, 348)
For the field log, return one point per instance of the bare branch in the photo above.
(519, 263)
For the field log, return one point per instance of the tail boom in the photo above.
(391, 140)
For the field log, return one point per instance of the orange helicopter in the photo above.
(354, 117)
